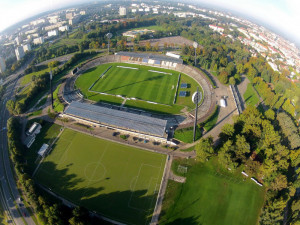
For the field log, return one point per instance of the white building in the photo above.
(74, 20)
(52, 33)
(122, 11)
(19, 52)
(69, 16)
(53, 19)
(133, 10)
(18, 40)
(36, 22)
(2, 65)
(39, 40)
(63, 28)
(216, 28)
(26, 48)
(82, 13)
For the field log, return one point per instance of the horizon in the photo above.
(285, 25)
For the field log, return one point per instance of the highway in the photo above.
(9, 193)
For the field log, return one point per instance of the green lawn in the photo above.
(212, 120)
(28, 78)
(212, 196)
(141, 84)
(187, 134)
(250, 96)
(117, 181)
(138, 83)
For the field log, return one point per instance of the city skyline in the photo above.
(281, 15)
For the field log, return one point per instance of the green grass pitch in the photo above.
(116, 181)
(212, 196)
(139, 83)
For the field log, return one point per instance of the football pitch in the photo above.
(135, 81)
(114, 180)
(212, 195)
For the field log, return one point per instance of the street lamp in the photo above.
(196, 113)
(109, 36)
(195, 45)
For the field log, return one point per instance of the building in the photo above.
(122, 11)
(126, 122)
(43, 150)
(82, 13)
(26, 48)
(216, 28)
(2, 65)
(38, 41)
(52, 33)
(53, 19)
(19, 52)
(74, 20)
(18, 40)
(63, 28)
(54, 26)
(69, 16)
(37, 22)
(29, 140)
(34, 129)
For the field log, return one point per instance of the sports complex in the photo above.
(134, 94)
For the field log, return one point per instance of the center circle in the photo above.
(95, 171)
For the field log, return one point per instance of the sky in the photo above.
(280, 14)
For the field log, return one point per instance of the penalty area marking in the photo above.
(136, 178)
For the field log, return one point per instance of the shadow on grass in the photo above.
(129, 206)
(184, 221)
(148, 79)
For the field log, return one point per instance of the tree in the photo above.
(227, 132)
(223, 77)
(204, 149)
(232, 81)
(240, 68)
(241, 147)
(148, 46)
(270, 114)
(10, 105)
(279, 183)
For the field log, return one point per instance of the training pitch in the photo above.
(114, 180)
(212, 195)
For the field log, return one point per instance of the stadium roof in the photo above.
(150, 56)
(117, 118)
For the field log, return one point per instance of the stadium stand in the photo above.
(104, 116)
(205, 108)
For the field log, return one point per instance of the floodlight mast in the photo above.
(196, 113)
(195, 45)
(109, 36)
(51, 92)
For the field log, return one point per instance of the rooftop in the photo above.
(116, 118)
(150, 56)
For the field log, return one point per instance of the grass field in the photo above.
(250, 96)
(138, 83)
(117, 181)
(187, 134)
(212, 196)
(28, 78)
(141, 84)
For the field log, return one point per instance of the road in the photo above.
(10, 194)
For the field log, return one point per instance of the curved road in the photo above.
(9, 193)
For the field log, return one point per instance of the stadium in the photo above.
(135, 94)
(153, 87)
